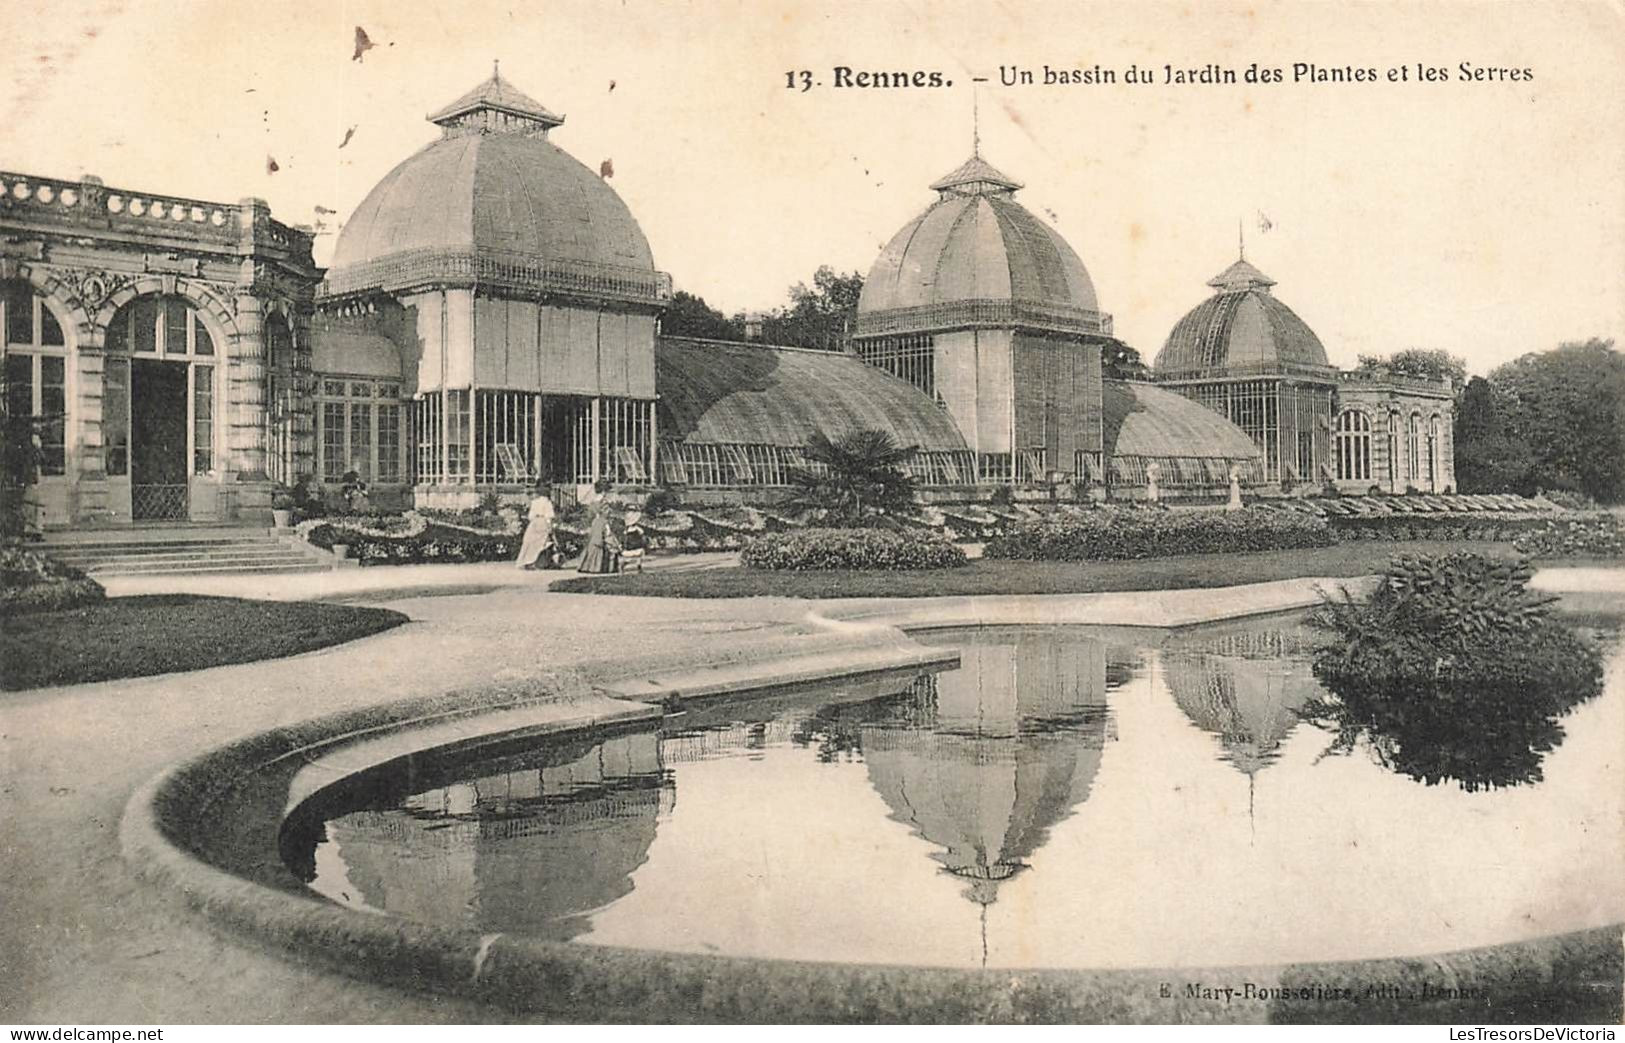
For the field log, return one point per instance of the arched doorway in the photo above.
(159, 404)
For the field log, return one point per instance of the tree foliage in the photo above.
(1489, 457)
(855, 479)
(1118, 361)
(1426, 364)
(820, 316)
(1568, 407)
(689, 316)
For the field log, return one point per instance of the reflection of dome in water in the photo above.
(1242, 688)
(1012, 747)
(521, 848)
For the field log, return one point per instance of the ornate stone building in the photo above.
(157, 332)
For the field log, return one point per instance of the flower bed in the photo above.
(32, 582)
(1116, 533)
(419, 537)
(1590, 535)
(1493, 526)
(864, 549)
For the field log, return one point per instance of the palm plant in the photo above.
(855, 479)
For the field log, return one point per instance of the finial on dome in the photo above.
(1241, 238)
(976, 121)
(496, 107)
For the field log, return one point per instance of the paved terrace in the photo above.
(83, 940)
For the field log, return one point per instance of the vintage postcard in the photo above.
(785, 512)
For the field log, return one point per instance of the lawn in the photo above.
(1356, 558)
(160, 634)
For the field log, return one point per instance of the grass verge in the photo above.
(164, 633)
(1357, 558)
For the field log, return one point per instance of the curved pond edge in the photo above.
(1570, 978)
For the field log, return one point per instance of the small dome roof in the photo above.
(1241, 325)
(976, 243)
(493, 184)
(1144, 420)
(722, 392)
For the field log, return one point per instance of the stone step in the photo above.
(173, 553)
(211, 569)
(189, 564)
(154, 546)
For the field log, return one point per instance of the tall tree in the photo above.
(1568, 405)
(1490, 458)
(689, 316)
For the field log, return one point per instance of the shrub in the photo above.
(1114, 533)
(1492, 526)
(1596, 535)
(31, 582)
(866, 549)
(661, 501)
(1451, 669)
(1570, 499)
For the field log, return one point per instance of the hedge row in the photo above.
(1595, 535)
(1453, 527)
(868, 549)
(1115, 533)
(32, 582)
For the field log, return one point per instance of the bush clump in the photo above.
(1487, 526)
(1452, 669)
(862, 549)
(32, 582)
(1117, 533)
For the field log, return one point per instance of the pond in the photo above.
(1066, 798)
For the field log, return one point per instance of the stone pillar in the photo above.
(1153, 471)
(88, 456)
(245, 391)
(1235, 489)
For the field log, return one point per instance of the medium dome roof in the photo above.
(493, 184)
(976, 243)
(1242, 325)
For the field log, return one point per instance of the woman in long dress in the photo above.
(539, 549)
(603, 553)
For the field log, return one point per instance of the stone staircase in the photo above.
(179, 551)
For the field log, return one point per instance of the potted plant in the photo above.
(282, 504)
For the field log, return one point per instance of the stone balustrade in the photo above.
(90, 203)
(983, 312)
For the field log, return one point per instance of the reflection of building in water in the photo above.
(521, 847)
(1245, 687)
(1010, 746)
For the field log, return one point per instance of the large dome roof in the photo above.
(493, 184)
(976, 243)
(1242, 326)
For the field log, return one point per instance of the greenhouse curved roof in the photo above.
(1143, 420)
(727, 392)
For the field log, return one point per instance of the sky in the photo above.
(1486, 218)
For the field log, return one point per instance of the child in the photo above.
(633, 541)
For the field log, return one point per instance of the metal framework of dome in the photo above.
(976, 258)
(1242, 329)
(495, 204)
